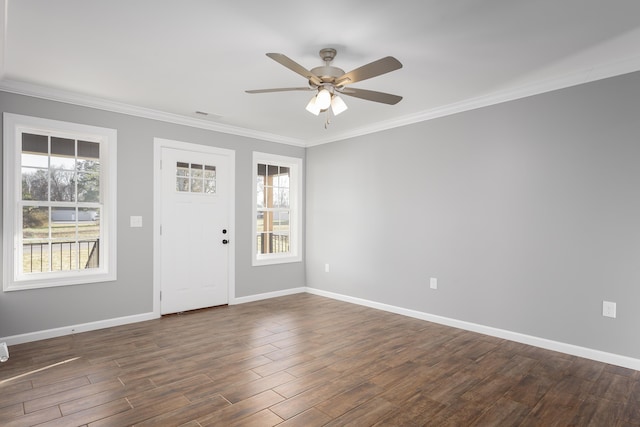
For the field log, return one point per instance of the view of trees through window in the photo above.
(60, 203)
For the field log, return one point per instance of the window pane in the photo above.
(260, 196)
(196, 171)
(63, 186)
(280, 198)
(262, 172)
(260, 238)
(63, 147)
(182, 169)
(267, 219)
(281, 221)
(89, 221)
(85, 165)
(35, 184)
(284, 198)
(210, 186)
(35, 144)
(63, 223)
(88, 187)
(35, 160)
(35, 257)
(64, 163)
(63, 153)
(88, 237)
(182, 184)
(196, 185)
(272, 175)
(88, 150)
(89, 253)
(280, 243)
(64, 255)
(283, 180)
(35, 222)
(209, 172)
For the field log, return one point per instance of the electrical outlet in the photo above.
(4, 352)
(433, 283)
(609, 309)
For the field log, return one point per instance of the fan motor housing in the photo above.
(327, 73)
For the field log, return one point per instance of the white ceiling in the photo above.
(168, 59)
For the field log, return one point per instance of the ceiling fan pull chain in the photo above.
(328, 122)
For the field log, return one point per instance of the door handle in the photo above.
(225, 241)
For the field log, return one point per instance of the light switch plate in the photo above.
(433, 283)
(135, 221)
(609, 309)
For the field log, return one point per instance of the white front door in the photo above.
(194, 229)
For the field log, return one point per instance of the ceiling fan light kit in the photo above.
(329, 81)
(337, 105)
(312, 106)
(323, 99)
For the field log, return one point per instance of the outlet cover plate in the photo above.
(135, 221)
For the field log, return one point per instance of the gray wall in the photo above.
(35, 310)
(527, 212)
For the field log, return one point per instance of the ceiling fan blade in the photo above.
(370, 95)
(294, 66)
(279, 89)
(372, 69)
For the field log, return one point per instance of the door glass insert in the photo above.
(195, 178)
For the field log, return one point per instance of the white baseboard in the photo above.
(587, 353)
(75, 329)
(574, 350)
(92, 326)
(267, 295)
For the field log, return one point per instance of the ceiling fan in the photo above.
(329, 81)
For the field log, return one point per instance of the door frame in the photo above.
(158, 145)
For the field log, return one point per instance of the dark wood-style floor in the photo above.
(305, 360)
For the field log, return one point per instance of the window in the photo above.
(277, 226)
(195, 178)
(59, 203)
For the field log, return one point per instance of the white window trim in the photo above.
(14, 124)
(295, 202)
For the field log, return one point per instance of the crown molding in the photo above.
(594, 73)
(598, 72)
(29, 89)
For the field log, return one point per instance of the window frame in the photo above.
(14, 126)
(295, 202)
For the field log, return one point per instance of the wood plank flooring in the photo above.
(305, 360)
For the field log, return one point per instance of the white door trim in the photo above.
(158, 145)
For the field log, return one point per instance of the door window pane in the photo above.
(195, 178)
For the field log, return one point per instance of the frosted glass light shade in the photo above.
(312, 106)
(323, 99)
(338, 105)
